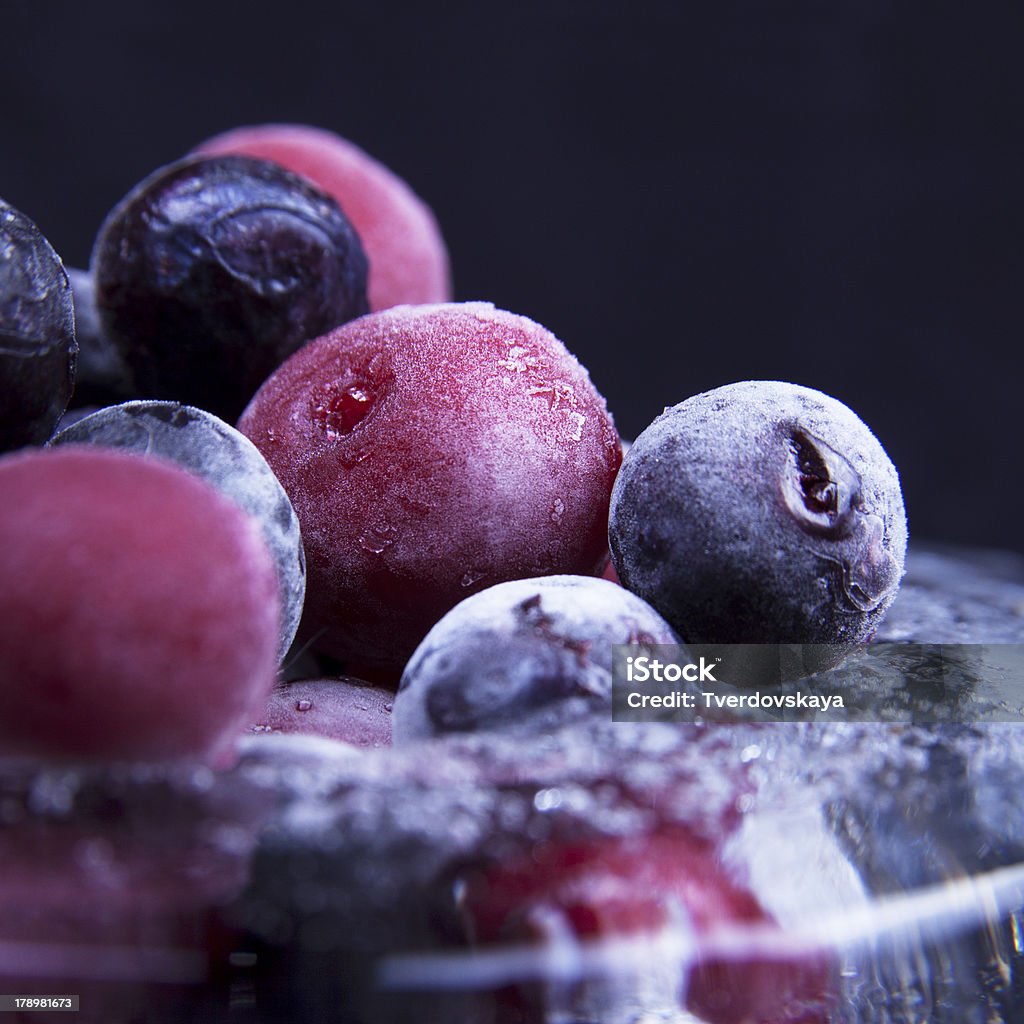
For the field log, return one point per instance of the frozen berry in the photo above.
(341, 709)
(761, 513)
(207, 446)
(433, 451)
(212, 271)
(563, 893)
(38, 350)
(408, 258)
(533, 653)
(139, 612)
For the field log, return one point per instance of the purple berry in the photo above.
(38, 350)
(531, 653)
(761, 513)
(212, 271)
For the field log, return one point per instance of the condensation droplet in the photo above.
(377, 539)
(557, 510)
(303, 705)
(338, 408)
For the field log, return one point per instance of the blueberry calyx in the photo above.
(820, 487)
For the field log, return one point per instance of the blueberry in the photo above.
(212, 271)
(526, 654)
(206, 446)
(38, 350)
(761, 513)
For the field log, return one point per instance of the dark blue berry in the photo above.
(212, 271)
(761, 513)
(530, 653)
(38, 350)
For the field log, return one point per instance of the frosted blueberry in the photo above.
(529, 653)
(102, 377)
(761, 513)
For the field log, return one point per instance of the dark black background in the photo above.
(687, 194)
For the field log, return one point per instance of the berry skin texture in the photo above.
(38, 350)
(408, 257)
(342, 709)
(432, 451)
(761, 513)
(207, 446)
(139, 612)
(531, 654)
(211, 272)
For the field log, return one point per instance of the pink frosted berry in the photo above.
(342, 709)
(138, 613)
(430, 452)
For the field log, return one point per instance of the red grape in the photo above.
(430, 452)
(139, 613)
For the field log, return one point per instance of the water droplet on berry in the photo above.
(303, 705)
(377, 539)
(339, 408)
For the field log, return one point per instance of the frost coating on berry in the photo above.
(761, 512)
(408, 257)
(139, 613)
(210, 448)
(524, 654)
(431, 451)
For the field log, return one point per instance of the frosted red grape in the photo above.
(139, 614)
(430, 452)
